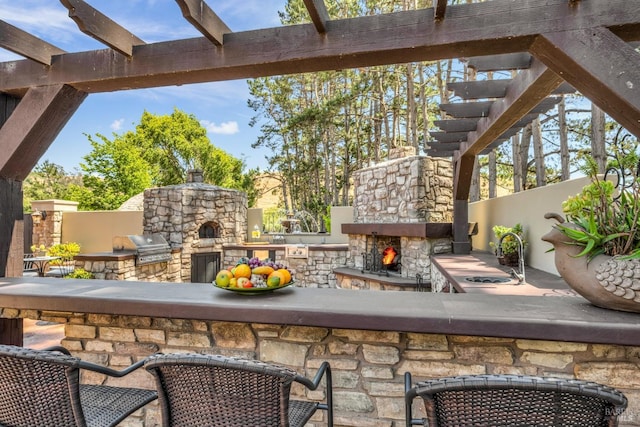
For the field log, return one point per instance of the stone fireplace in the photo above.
(406, 204)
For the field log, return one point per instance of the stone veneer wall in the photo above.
(368, 366)
(124, 268)
(406, 190)
(177, 212)
(316, 271)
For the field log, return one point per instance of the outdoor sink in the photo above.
(488, 279)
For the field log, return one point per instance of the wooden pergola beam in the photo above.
(469, 30)
(599, 65)
(33, 125)
(318, 14)
(440, 9)
(99, 26)
(205, 20)
(24, 44)
(526, 91)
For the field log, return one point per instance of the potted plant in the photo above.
(597, 242)
(507, 247)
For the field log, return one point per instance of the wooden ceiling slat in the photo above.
(440, 9)
(526, 91)
(479, 89)
(564, 89)
(27, 45)
(318, 14)
(457, 125)
(601, 66)
(500, 62)
(368, 40)
(467, 109)
(444, 146)
(205, 20)
(95, 24)
(449, 136)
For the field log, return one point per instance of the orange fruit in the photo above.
(242, 270)
(286, 274)
(279, 275)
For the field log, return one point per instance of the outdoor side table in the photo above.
(41, 263)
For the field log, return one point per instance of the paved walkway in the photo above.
(40, 334)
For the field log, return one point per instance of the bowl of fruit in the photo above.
(253, 276)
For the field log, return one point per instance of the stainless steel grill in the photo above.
(148, 248)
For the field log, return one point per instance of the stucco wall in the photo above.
(94, 230)
(527, 208)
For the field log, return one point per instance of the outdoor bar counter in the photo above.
(370, 337)
(543, 318)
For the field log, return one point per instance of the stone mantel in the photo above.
(544, 318)
(433, 230)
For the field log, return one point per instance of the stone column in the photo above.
(49, 231)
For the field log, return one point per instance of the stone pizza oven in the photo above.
(197, 218)
(404, 204)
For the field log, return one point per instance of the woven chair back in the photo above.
(504, 400)
(39, 388)
(216, 391)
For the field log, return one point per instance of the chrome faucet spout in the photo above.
(519, 275)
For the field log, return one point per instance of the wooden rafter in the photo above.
(440, 9)
(318, 13)
(526, 91)
(599, 65)
(32, 127)
(24, 44)
(200, 15)
(368, 40)
(93, 23)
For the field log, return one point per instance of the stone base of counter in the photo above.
(368, 366)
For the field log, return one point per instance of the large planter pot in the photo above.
(605, 281)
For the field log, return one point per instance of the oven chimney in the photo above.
(195, 175)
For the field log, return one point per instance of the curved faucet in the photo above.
(515, 274)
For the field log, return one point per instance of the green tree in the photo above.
(114, 171)
(48, 181)
(158, 153)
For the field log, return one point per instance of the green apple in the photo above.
(223, 278)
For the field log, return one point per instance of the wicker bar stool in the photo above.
(512, 400)
(214, 390)
(41, 388)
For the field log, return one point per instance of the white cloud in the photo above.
(225, 128)
(117, 125)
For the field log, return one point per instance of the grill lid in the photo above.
(149, 248)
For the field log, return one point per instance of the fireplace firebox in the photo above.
(382, 255)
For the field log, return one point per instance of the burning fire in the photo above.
(388, 255)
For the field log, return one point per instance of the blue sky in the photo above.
(220, 106)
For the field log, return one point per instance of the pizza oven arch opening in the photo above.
(210, 230)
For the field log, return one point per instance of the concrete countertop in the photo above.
(528, 317)
(457, 268)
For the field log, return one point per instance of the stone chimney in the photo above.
(195, 175)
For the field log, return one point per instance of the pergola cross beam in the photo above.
(27, 45)
(205, 20)
(318, 14)
(99, 26)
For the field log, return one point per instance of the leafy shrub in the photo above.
(603, 218)
(66, 251)
(509, 244)
(79, 273)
